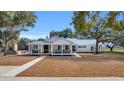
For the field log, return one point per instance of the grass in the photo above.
(118, 51)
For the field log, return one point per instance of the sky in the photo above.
(48, 21)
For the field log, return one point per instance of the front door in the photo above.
(46, 48)
(74, 48)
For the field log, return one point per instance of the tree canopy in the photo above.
(97, 24)
(13, 22)
(23, 43)
(66, 33)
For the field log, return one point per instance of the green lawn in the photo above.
(118, 51)
(115, 51)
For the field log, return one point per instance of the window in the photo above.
(92, 48)
(59, 47)
(81, 46)
(35, 46)
(66, 47)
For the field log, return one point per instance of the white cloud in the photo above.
(33, 36)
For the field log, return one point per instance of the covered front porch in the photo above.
(52, 46)
(60, 50)
(50, 49)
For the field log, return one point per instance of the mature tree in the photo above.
(66, 33)
(113, 39)
(0, 43)
(95, 24)
(116, 35)
(12, 23)
(1, 39)
(54, 33)
(40, 39)
(23, 43)
(115, 20)
(122, 42)
(82, 35)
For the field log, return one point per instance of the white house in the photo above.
(85, 45)
(62, 46)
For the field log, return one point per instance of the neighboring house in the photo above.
(62, 46)
(105, 44)
(15, 47)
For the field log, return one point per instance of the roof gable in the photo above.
(62, 41)
(36, 43)
(52, 39)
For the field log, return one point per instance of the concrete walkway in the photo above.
(4, 69)
(22, 68)
(77, 55)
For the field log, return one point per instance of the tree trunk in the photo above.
(111, 49)
(5, 48)
(97, 41)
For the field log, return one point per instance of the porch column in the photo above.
(31, 49)
(76, 47)
(51, 50)
(38, 48)
(41, 49)
(62, 49)
(71, 49)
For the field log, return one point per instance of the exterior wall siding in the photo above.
(87, 49)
